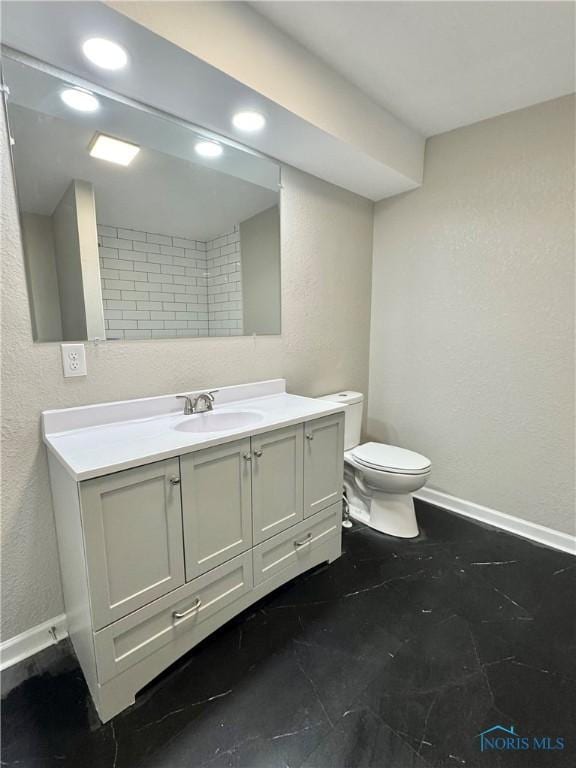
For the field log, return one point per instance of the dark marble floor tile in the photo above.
(397, 655)
(361, 739)
(275, 698)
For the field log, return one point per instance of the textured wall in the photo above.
(472, 346)
(326, 268)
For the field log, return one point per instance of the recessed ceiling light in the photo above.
(249, 121)
(114, 150)
(208, 149)
(76, 98)
(105, 53)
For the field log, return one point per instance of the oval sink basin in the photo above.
(218, 422)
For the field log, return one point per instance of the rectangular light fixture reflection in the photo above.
(114, 150)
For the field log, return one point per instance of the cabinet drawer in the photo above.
(296, 544)
(135, 637)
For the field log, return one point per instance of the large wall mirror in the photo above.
(135, 225)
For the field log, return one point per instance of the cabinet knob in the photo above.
(309, 436)
(182, 614)
(174, 481)
(258, 452)
(248, 457)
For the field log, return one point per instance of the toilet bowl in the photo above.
(379, 479)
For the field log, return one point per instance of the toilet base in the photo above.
(388, 513)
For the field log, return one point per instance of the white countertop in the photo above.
(99, 439)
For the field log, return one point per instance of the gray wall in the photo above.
(472, 345)
(260, 243)
(326, 272)
(69, 266)
(88, 244)
(38, 237)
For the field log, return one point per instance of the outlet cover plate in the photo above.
(73, 359)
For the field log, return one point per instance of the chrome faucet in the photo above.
(204, 397)
(192, 404)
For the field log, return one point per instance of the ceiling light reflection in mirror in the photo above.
(79, 99)
(208, 149)
(113, 150)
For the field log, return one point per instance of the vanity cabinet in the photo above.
(323, 461)
(216, 503)
(132, 522)
(157, 557)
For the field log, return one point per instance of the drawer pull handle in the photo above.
(189, 611)
(306, 540)
(174, 481)
(247, 457)
(309, 436)
(258, 452)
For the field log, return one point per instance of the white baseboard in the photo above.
(32, 641)
(528, 530)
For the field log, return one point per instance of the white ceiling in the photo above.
(440, 65)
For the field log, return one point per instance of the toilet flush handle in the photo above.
(309, 436)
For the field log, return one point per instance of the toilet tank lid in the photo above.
(346, 396)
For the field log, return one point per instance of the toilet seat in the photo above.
(390, 458)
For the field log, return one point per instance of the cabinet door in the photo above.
(132, 523)
(323, 462)
(277, 481)
(216, 502)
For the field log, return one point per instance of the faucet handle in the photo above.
(188, 407)
(212, 393)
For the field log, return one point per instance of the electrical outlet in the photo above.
(73, 359)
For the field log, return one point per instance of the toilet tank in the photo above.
(354, 402)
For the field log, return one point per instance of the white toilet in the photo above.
(379, 478)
